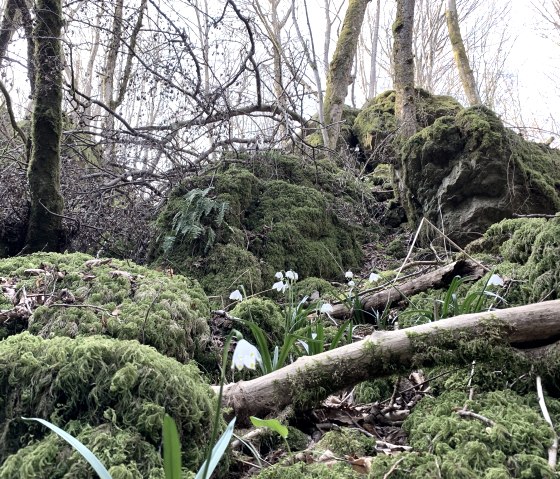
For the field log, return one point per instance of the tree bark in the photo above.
(372, 87)
(460, 55)
(312, 378)
(434, 279)
(339, 76)
(405, 108)
(45, 223)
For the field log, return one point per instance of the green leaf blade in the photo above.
(83, 450)
(171, 449)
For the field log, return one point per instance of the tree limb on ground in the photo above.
(313, 378)
(434, 279)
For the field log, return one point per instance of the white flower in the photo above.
(245, 356)
(348, 275)
(279, 275)
(292, 275)
(280, 286)
(495, 280)
(374, 277)
(236, 295)
(351, 284)
(326, 308)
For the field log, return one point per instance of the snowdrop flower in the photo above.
(279, 276)
(495, 280)
(326, 308)
(374, 277)
(245, 355)
(348, 275)
(280, 286)
(236, 295)
(292, 275)
(351, 283)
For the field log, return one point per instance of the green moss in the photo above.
(374, 390)
(346, 442)
(515, 446)
(285, 213)
(113, 394)
(308, 286)
(531, 250)
(118, 299)
(265, 313)
(301, 470)
(376, 121)
(453, 171)
(227, 267)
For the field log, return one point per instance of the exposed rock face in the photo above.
(468, 171)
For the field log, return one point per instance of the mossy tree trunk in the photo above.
(45, 222)
(460, 55)
(339, 76)
(403, 57)
(311, 379)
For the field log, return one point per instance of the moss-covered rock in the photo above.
(265, 313)
(529, 252)
(284, 213)
(468, 171)
(376, 122)
(75, 295)
(449, 446)
(112, 394)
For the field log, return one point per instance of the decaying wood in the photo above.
(379, 354)
(438, 278)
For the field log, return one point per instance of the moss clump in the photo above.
(114, 298)
(346, 442)
(111, 393)
(285, 213)
(375, 390)
(227, 267)
(311, 285)
(301, 470)
(265, 313)
(529, 249)
(376, 121)
(515, 446)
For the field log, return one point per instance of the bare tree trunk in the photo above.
(340, 69)
(405, 108)
(45, 223)
(436, 279)
(312, 378)
(372, 88)
(459, 53)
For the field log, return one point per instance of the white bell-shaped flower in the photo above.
(245, 355)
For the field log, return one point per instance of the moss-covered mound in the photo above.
(75, 295)
(529, 253)
(111, 394)
(376, 121)
(508, 438)
(468, 171)
(282, 213)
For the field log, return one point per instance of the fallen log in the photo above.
(312, 378)
(438, 278)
